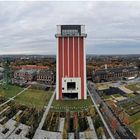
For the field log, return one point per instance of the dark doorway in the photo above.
(70, 95)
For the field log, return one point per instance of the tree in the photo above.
(65, 134)
(75, 121)
(76, 126)
(92, 111)
(100, 132)
(126, 118)
(114, 124)
(138, 64)
(97, 122)
(7, 73)
(17, 120)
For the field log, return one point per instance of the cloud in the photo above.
(29, 27)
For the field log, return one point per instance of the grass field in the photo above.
(133, 87)
(134, 120)
(10, 91)
(136, 128)
(116, 95)
(106, 97)
(135, 124)
(34, 98)
(130, 95)
(74, 105)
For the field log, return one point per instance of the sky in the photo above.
(29, 27)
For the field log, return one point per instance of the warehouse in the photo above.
(114, 74)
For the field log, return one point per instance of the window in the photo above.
(70, 32)
(71, 86)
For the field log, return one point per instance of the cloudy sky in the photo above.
(29, 27)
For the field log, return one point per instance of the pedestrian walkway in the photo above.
(46, 111)
(47, 134)
(91, 126)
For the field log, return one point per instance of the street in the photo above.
(106, 126)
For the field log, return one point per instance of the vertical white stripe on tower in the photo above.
(78, 59)
(57, 72)
(85, 77)
(63, 54)
(68, 55)
(73, 59)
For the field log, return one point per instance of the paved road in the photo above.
(122, 131)
(46, 111)
(14, 96)
(105, 124)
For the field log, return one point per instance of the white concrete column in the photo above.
(78, 59)
(57, 72)
(73, 58)
(85, 77)
(68, 57)
(63, 53)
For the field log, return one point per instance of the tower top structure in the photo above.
(71, 31)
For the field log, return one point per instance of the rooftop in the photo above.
(27, 71)
(32, 67)
(48, 72)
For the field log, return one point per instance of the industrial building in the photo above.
(115, 74)
(71, 62)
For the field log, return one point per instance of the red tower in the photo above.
(71, 62)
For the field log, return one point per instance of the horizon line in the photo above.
(55, 54)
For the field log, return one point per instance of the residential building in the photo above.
(45, 76)
(25, 75)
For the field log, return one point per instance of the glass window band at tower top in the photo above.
(70, 30)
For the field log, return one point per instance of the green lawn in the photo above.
(106, 97)
(133, 87)
(10, 91)
(72, 105)
(135, 117)
(136, 128)
(134, 120)
(117, 95)
(34, 98)
(130, 95)
(135, 124)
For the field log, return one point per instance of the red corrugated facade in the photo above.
(71, 60)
